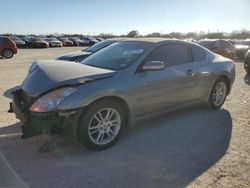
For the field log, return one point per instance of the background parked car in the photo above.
(36, 42)
(7, 47)
(221, 47)
(93, 101)
(54, 42)
(77, 42)
(241, 49)
(247, 61)
(81, 55)
(100, 39)
(66, 41)
(19, 42)
(89, 41)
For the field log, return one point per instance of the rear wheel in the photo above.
(7, 53)
(218, 94)
(101, 125)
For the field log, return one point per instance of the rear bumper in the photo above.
(51, 123)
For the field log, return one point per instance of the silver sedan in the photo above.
(93, 101)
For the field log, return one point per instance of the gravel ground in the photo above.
(195, 147)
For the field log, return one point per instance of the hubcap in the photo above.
(104, 126)
(219, 93)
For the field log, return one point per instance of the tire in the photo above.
(7, 53)
(97, 134)
(221, 94)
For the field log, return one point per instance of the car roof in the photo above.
(151, 40)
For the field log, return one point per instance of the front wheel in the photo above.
(7, 53)
(218, 94)
(101, 125)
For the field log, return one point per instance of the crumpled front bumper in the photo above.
(51, 123)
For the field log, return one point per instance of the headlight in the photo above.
(50, 100)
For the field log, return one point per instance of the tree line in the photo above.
(240, 35)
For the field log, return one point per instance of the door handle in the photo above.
(190, 72)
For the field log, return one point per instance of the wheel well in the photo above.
(227, 82)
(8, 49)
(117, 100)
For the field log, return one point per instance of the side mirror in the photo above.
(153, 66)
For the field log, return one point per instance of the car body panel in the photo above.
(221, 47)
(144, 92)
(7, 43)
(58, 73)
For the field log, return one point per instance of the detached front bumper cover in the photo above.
(35, 123)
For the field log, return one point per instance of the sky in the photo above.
(92, 17)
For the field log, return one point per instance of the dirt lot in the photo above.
(195, 147)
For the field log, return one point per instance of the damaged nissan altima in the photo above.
(93, 101)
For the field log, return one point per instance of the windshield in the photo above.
(118, 55)
(99, 46)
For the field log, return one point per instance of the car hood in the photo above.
(47, 75)
(74, 54)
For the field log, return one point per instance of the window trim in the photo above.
(138, 69)
(192, 55)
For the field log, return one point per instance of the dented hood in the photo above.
(73, 55)
(46, 75)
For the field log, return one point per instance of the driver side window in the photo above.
(170, 54)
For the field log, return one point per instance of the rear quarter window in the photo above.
(198, 53)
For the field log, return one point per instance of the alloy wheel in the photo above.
(104, 126)
(219, 93)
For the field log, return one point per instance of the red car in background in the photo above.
(7, 47)
(36, 42)
(219, 46)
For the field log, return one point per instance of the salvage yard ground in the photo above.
(195, 147)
